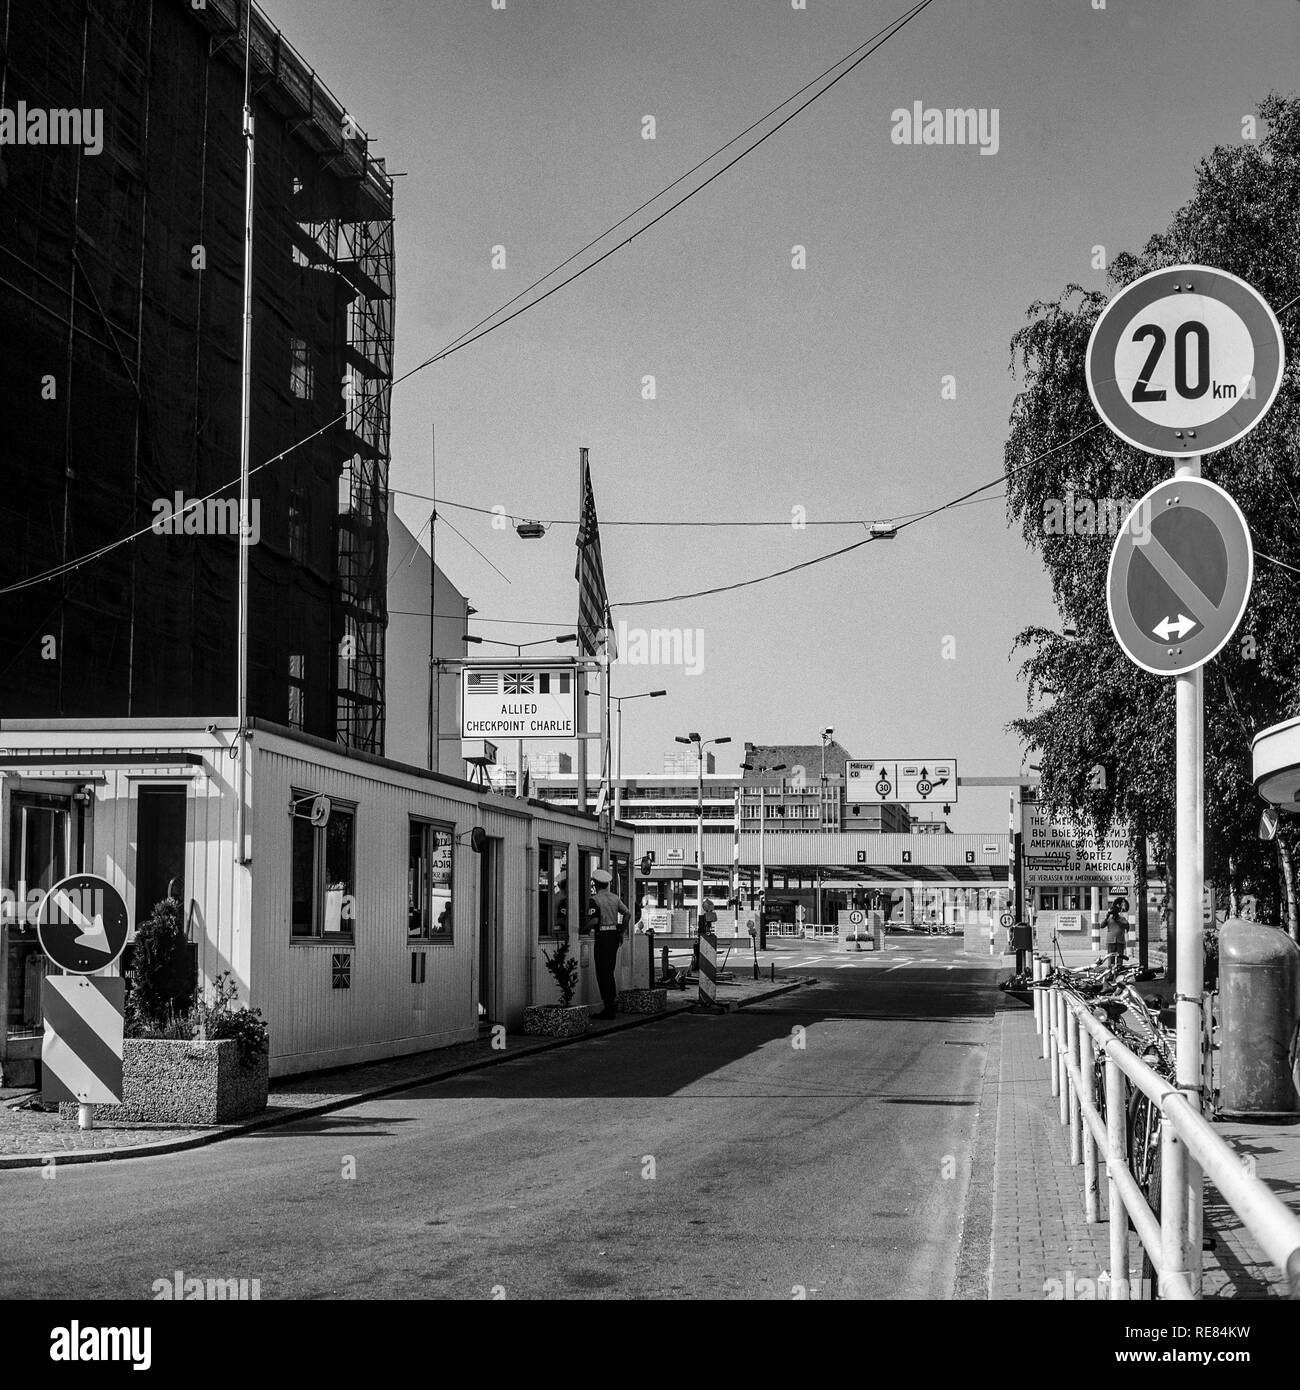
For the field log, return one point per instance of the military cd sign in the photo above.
(82, 924)
(1180, 575)
(1185, 360)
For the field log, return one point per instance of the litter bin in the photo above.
(1259, 1006)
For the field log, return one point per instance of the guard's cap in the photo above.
(602, 876)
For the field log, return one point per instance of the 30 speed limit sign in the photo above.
(1185, 360)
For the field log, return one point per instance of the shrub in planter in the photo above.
(162, 973)
(208, 1067)
(566, 1018)
(220, 1019)
(564, 970)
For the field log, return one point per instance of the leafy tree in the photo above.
(1244, 217)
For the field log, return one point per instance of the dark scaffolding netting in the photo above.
(121, 301)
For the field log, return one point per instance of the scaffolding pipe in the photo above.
(246, 412)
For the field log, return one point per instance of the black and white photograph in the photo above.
(895, 405)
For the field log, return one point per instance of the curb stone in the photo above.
(128, 1151)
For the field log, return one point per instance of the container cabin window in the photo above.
(429, 882)
(159, 846)
(324, 871)
(552, 890)
(40, 854)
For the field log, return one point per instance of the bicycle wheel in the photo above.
(1144, 1121)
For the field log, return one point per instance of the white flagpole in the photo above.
(580, 676)
(246, 412)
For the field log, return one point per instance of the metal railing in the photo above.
(1191, 1150)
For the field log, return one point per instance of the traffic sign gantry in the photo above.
(82, 924)
(1180, 575)
(1184, 360)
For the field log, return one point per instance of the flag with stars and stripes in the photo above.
(593, 601)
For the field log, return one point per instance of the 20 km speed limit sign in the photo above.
(1185, 360)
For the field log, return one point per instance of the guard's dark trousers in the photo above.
(607, 944)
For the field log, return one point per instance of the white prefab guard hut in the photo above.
(365, 929)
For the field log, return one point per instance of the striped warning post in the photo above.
(81, 1055)
(708, 968)
(1096, 934)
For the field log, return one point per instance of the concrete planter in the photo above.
(642, 1001)
(555, 1021)
(170, 1081)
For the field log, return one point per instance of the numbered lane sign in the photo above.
(1185, 360)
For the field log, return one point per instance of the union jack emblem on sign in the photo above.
(519, 683)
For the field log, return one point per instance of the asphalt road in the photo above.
(820, 1142)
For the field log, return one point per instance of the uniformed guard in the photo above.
(613, 916)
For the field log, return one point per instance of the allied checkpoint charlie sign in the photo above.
(518, 699)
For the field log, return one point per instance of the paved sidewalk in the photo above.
(1038, 1231)
(1039, 1234)
(29, 1138)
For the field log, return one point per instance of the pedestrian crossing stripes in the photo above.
(81, 1056)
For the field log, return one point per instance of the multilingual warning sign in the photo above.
(1060, 851)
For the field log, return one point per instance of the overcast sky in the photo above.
(776, 388)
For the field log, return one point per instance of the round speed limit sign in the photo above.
(1185, 360)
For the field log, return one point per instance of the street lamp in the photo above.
(762, 863)
(618, 741)
(826, 738)
(519, 652)
(700, 746)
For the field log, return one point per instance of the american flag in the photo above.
(593, 601)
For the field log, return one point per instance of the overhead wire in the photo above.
(470, 335)
(857, 545)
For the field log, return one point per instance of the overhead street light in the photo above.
(700, 746)
(618, 740)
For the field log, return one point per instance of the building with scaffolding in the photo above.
(121, 301)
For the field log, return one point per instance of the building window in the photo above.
(159, 847)
(588, 863)
(297, 691)
(429, 882)
(323, 871)
(552, 890)
(302, 375)
(40, 853)
(298, 526)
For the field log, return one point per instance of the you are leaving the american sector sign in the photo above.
(518, 700)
